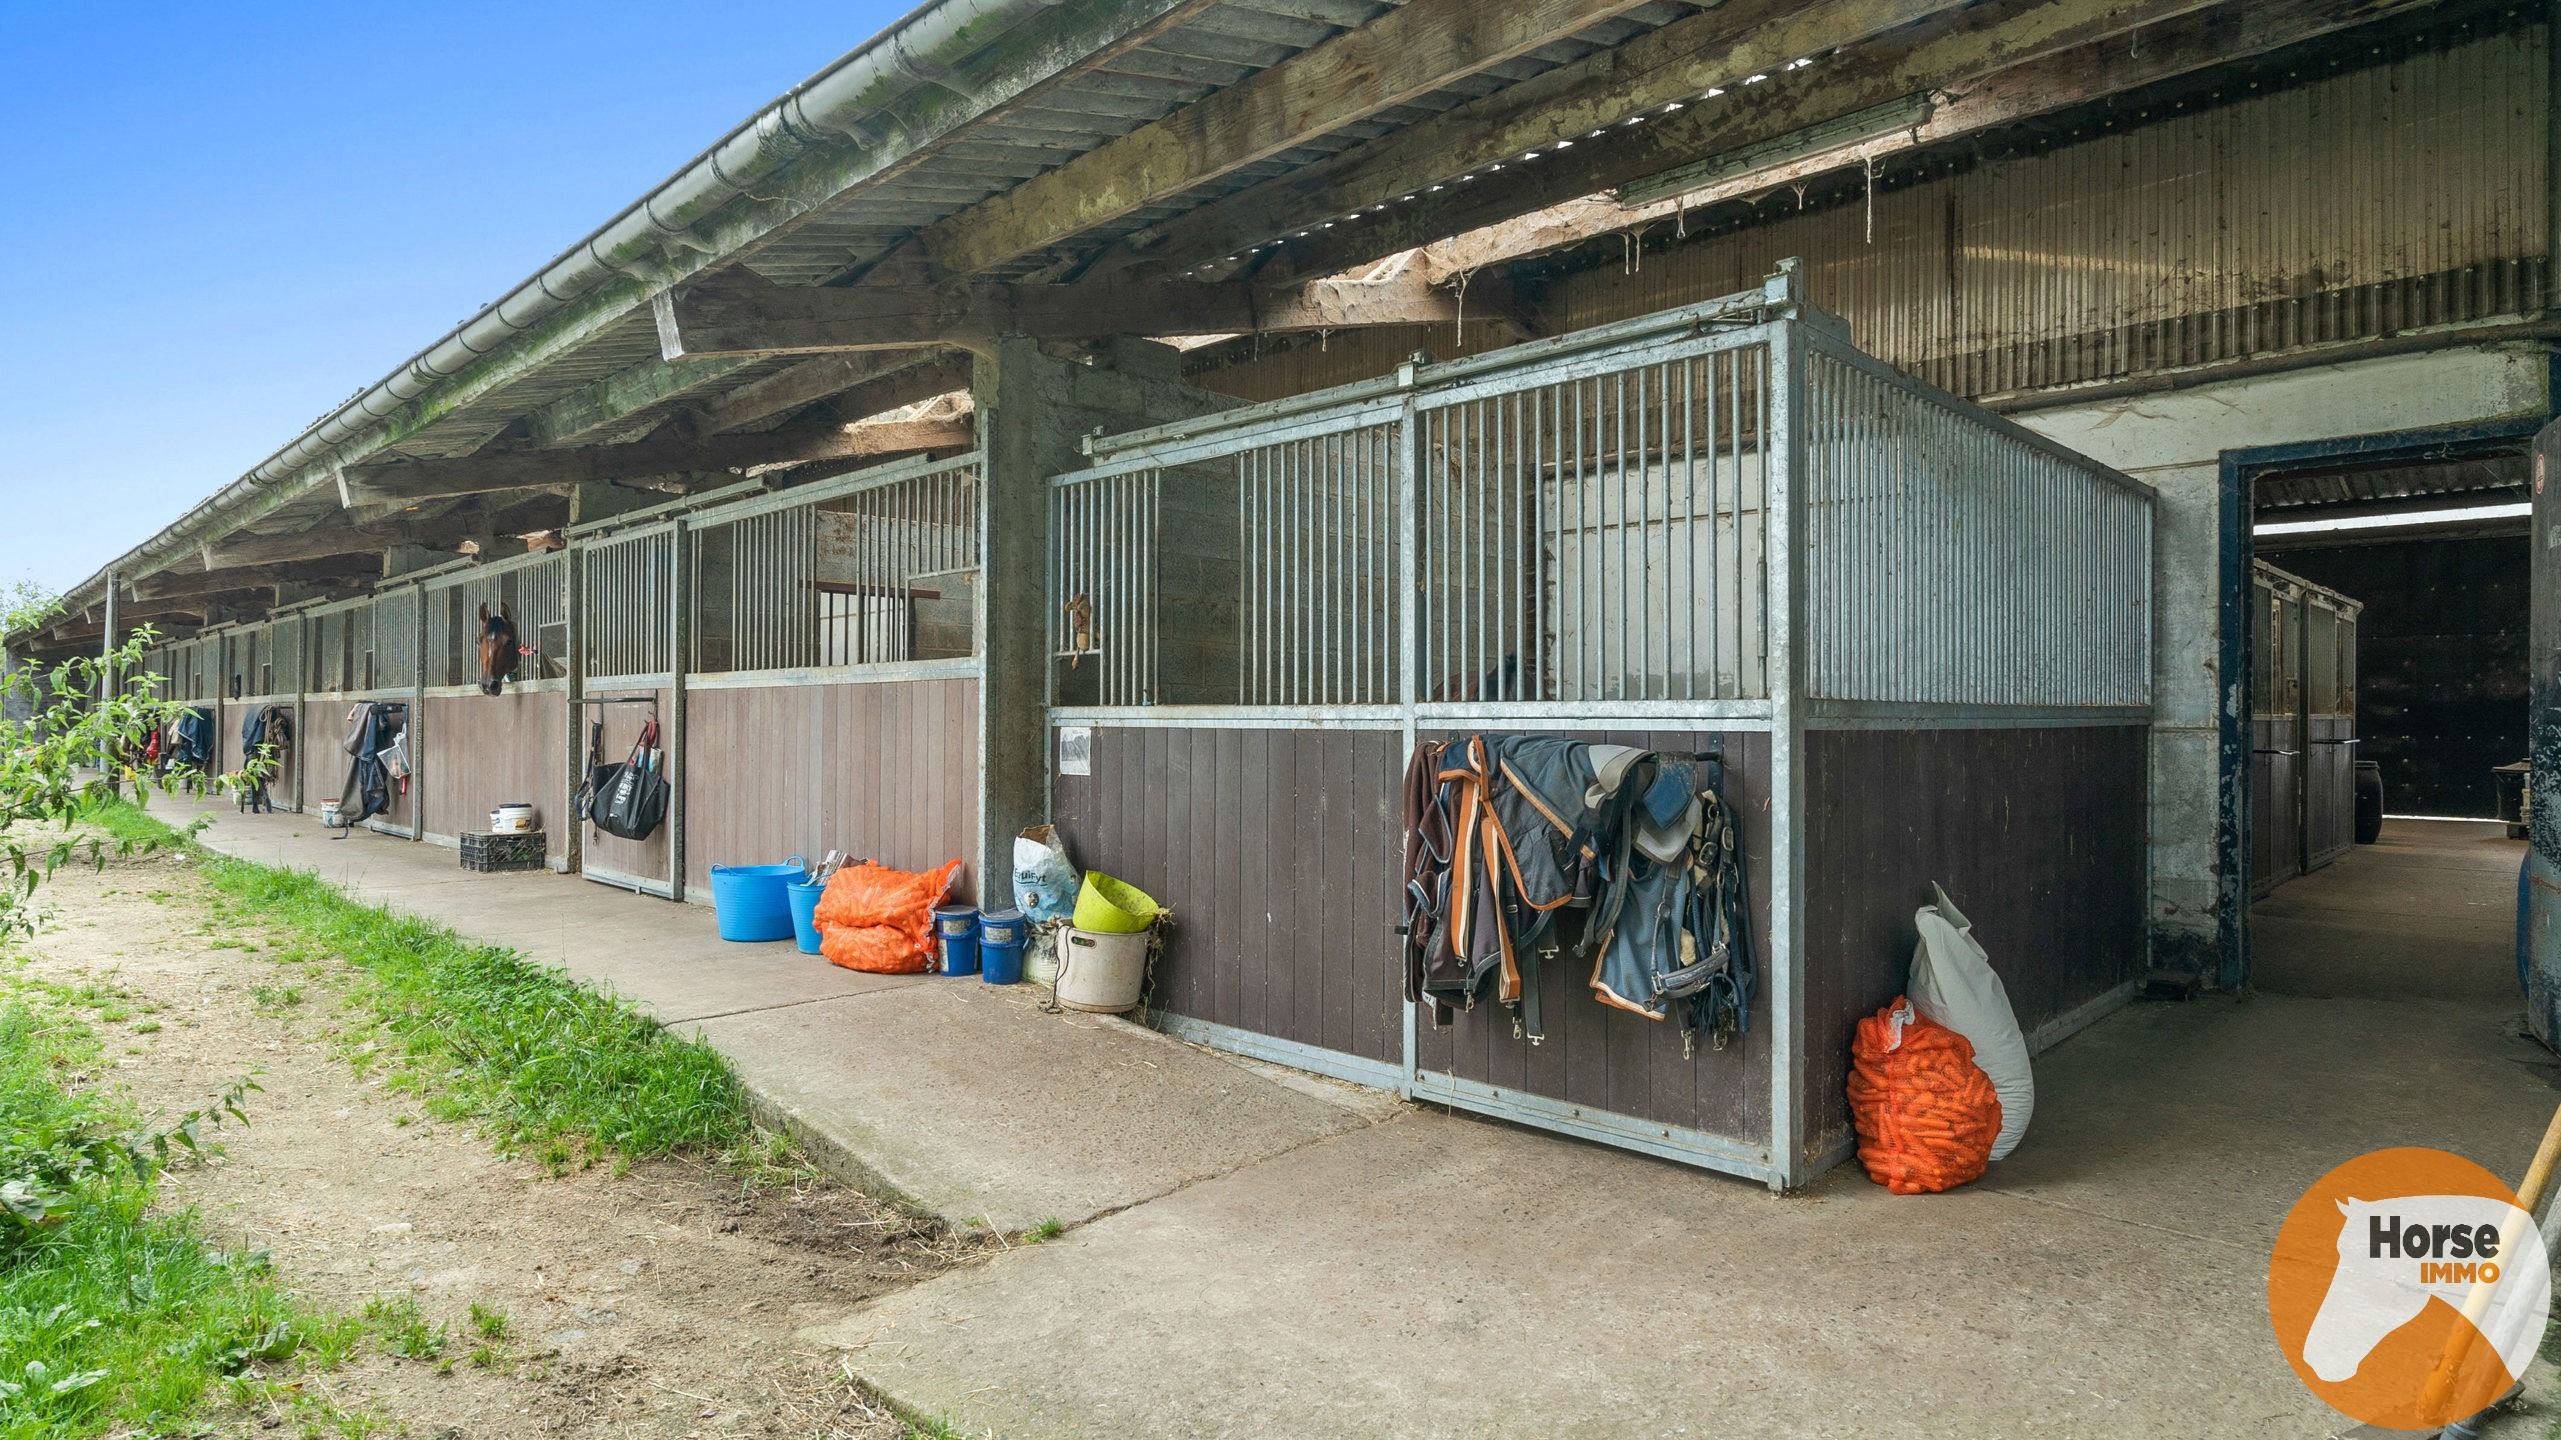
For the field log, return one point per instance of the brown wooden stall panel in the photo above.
(885, 771)
(1606, 1059)
(324, 762)
(227, 755)
(2038, 836)
(320, 764)
(2329, 800)
(1278, 852)
(638, 859)
(484, 751)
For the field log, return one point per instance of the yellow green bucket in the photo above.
(1113, 907)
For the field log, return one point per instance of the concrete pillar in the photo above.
(2543, 748)
(1035, 403)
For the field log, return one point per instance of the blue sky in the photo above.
(223, 220)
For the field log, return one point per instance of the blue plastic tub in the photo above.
(749, 902)
(957, 927)
(1000, 946)
(804, 913)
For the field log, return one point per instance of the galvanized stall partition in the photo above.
(1918, 635)
(360, 652)
(811, 656)
(2303, 726)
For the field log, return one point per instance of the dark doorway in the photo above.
(2441, 687)
(2427, 529)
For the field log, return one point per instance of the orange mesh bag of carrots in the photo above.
(882, 920)
(1926, 1113)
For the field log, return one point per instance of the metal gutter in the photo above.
(650, 242)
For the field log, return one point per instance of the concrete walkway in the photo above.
(1269, 1255)
(956, 1096)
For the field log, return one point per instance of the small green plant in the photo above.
(276, 997)
(71, 739)
(404, 1327)
(1049, 1229)
(488, 1322)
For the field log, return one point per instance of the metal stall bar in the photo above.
(1782, 507)
(1944, 589)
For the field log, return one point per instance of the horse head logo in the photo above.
(2396, 1255)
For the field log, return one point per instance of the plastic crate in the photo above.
(489, 854)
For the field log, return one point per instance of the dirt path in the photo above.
(659, 1303)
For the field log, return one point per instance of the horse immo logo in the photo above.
(2408, 1289)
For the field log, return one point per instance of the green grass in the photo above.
(404, 1328)
(113, 1317)
(543, 1066)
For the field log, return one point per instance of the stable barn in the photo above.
(1918, 636)
(1155, 419)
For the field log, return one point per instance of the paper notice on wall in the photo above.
(1075, 750)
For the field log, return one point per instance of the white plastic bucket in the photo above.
(513, 818)
(1101, 973)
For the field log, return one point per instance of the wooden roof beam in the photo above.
(1406, 53)
(1439, 178)
(660, 455)
(2056, 82)
(374, 529)
(175, 584)
(601, 405)
(777, 320)
(811, 381)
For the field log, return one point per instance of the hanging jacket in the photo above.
(368, 789)
(191, 739)
(1673, 926)
(266, 727)
(1498, 840)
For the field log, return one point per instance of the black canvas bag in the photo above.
(631, 801)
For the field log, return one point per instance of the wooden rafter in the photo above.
(177, 584)
(777, 320)
(601, 405)
(2057, 82)
(827, 377)
(1406, 53)
(467, 521)
(658, 455)
(1870, 51)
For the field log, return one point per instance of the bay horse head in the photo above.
(499, 650)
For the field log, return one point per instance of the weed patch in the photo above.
(113, 1317)
(545, 1068)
